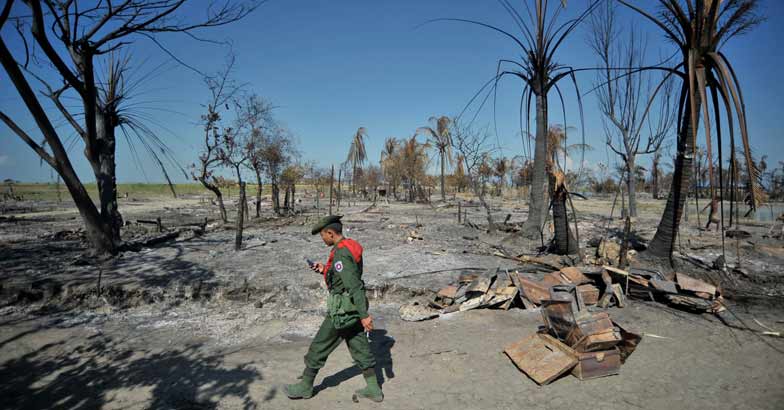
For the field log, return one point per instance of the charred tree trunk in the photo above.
(443, 179)
(481, 195)
(275, 196)
(631, 185)
(240, 218)
(655, 176)
(259, 187)
(218, 196)
(564, 241)
(287, 199)
(293, 193)
(102, 159)
(537, 205)
(100, 238)
(663, 241)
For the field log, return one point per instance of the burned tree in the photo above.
(698, 31)
(474, 148)
(357, 156)
(289, 178)
(275, 153)
(222, 90)
(440, 139)
(538, 40)
(626, 96)
(256, 118)
(88, 35)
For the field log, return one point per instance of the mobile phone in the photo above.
(310, 262)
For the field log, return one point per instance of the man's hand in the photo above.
(367, 323)
(318, 267)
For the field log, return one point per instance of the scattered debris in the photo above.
(415, 312)
(414, 235)
(542, 357)
(589, 344)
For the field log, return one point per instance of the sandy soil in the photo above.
(193, 324)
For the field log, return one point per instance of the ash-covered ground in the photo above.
(191, 323)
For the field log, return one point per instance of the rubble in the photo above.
(577, 336)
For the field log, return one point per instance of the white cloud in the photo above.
(5, 160)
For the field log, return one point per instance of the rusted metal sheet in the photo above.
(592, 365)
(541, 357)
(574, 276)
(534, 291)
(694, 285)
(552, 279)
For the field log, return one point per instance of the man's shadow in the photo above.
(381, 346)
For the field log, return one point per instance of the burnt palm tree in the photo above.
(699, 30)
(539, 38)
(357, 155)
(440, 139)
(388, 159)
(564, 241)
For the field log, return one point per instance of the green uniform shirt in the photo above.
(345, 276)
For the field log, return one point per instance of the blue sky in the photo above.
(333, 66)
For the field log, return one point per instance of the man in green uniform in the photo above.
(347, 318)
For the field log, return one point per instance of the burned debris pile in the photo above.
(577, 335)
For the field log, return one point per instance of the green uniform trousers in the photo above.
(328, 338)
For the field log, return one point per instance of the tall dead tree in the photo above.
(473, 146)
(275, 154)
(222, 89)
(708, 86)
(256, 117)
(626, 95)
(537, 39)
(357, 156)
(87, 35)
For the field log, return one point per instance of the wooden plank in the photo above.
(617, 291)
(541, 357)
(448, 292)
(479, 285)
(665, 286)
(472, 303)
(552, 279)
(616, 270)
(694, 285)
(574, 276)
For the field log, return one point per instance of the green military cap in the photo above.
(325, 222)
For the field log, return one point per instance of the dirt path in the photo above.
(77, 361)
